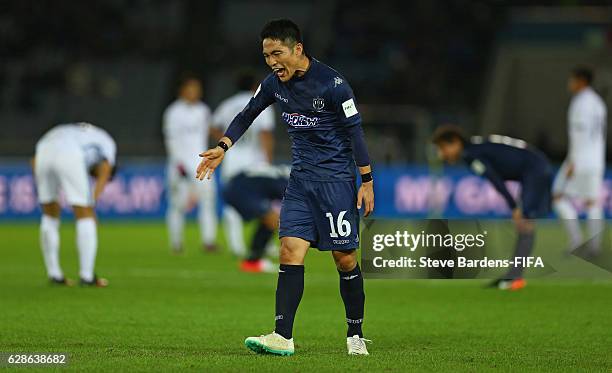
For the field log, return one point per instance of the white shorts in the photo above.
(62, 165)
(185, 189)
(585, 184)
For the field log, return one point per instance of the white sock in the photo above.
(595, 224)
(175, 220)
(567, 213)
(49, 244)
(234, 232)
(207, 218)
(87, 243)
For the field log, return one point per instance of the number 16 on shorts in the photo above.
(343, 226)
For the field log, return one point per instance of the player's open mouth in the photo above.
(280, 72)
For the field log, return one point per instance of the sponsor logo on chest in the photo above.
(297, 120)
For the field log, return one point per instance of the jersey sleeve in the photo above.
(483, 168)
(109, 150)
(100, 147)
(207, 114)
(348, 115)
(262, 98)
(219, 117)
(207, 124)
(265, 120)
(344, 102)
(171, 129)
(576, 131)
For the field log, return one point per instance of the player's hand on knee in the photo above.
(365, 197)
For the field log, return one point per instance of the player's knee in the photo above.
(527, 227)
(83, 212)
(345, 262)
(51, 209)
(589, 203)
(288, 256)
(292, 252)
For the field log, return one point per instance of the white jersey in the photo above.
(186, 129)
(247, 151)
(64, 156)
(94, 142)
(587, 124)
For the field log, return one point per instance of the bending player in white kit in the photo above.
(186, 129)
(65, 157)
(256, 147)
(582, 172)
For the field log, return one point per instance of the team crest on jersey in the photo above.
(318, 103)
(337, 81)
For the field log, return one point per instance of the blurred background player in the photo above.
(255, 148)
(581, 174)
(65, 157)
(498, 159)
(256, 193)
(186, 129)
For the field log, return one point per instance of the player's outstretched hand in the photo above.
(210, 161)
(365, 196)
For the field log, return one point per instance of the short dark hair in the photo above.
(187, 77)
(584, 73)
(448, 133)
(284, 30)
(245, 80)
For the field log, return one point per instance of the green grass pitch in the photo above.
(192, 312)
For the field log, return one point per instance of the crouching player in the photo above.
(65, 157)
(498, 159)
(253, 194)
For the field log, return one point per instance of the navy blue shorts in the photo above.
(536, 194)
(251, 196)
(322, 212)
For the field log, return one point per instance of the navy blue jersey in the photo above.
(501, 158)
(322, 120)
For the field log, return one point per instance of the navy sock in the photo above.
(288, 295)
(524, 247)
(258, 245)
(351, 290)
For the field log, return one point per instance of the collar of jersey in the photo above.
(310, 66)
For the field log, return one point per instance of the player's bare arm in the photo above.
(211, 159)
(365, 195)
(570, 170)
(102, 172)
